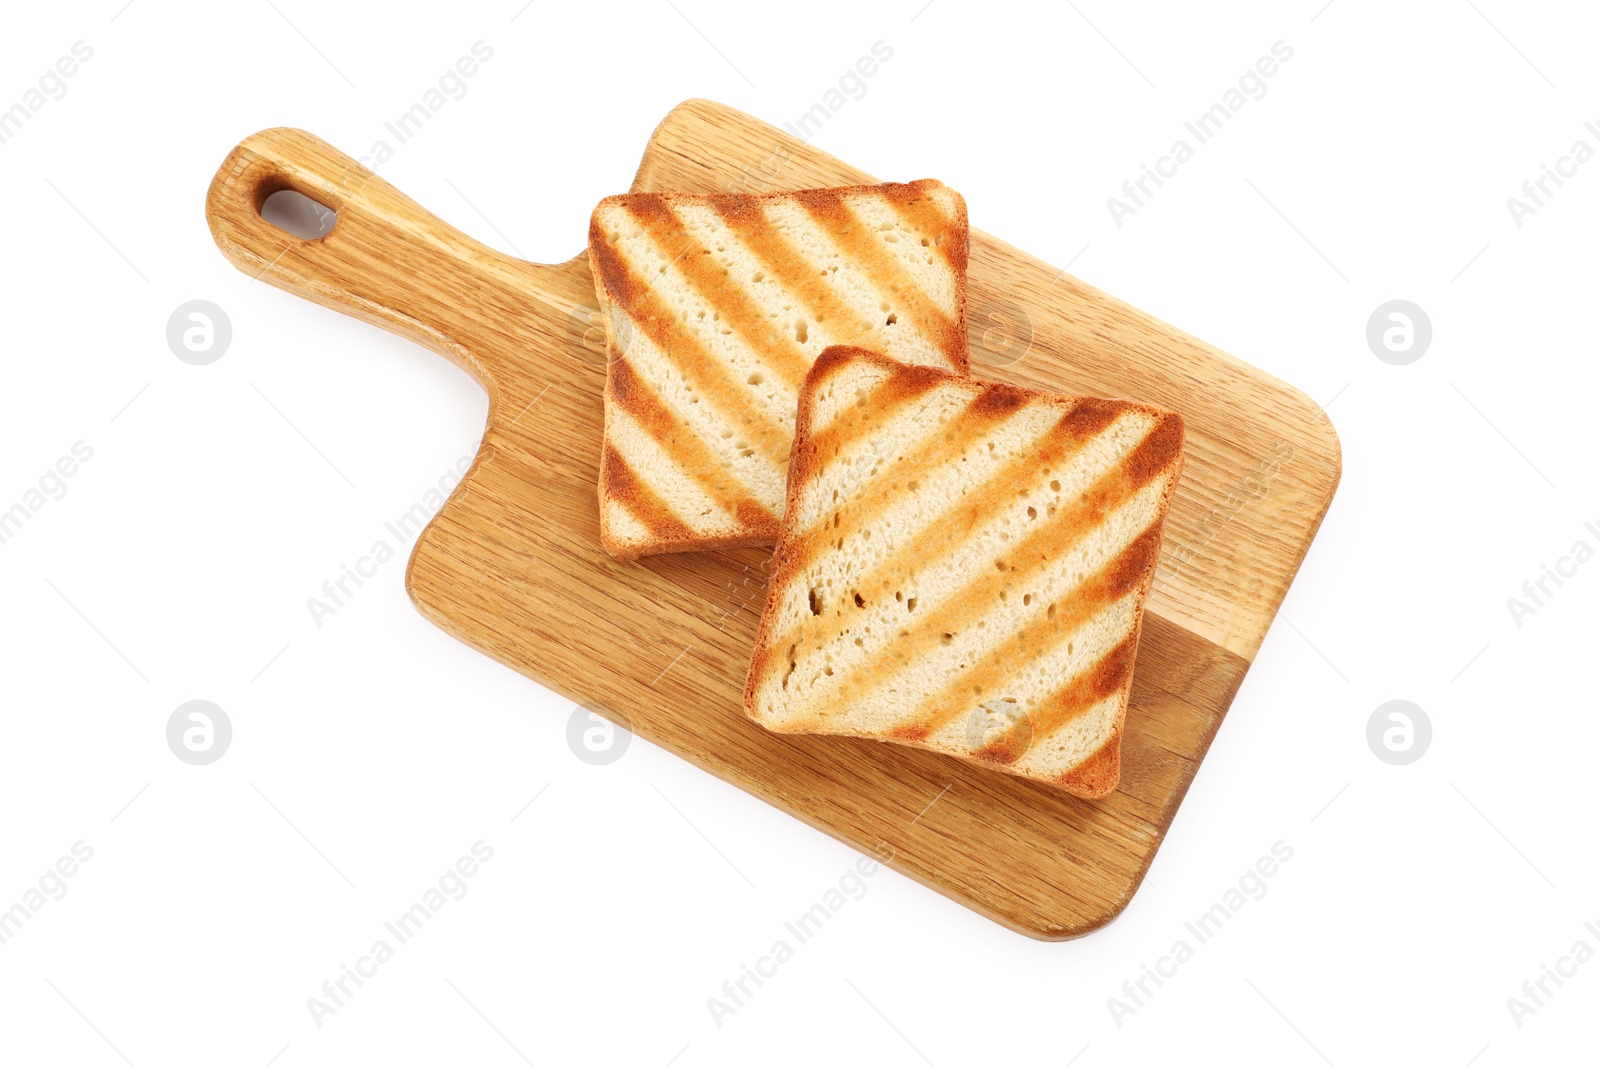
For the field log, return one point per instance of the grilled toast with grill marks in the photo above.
(716, 307)
(963, 566)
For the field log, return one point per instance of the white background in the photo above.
(370, 753)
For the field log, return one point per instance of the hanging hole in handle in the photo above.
(296, 213)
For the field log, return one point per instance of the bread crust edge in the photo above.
(1093, 778)
(959, 353)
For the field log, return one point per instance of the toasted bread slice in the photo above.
(963, 566)
(715, 309)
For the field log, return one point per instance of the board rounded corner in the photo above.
(676, 114)
(1055, 932)
(1329, 457)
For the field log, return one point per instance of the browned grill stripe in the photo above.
(1096, 773)
(1005, 751)
(706, 373)
(1105, 679)
(1072, 432)
(619, 483)
(798, 274)
(1032, 554)
(1115, 580)
(692, 455)
(988, 410)
(768, 338)
(886, 401)
(883, 267)
(923, 214)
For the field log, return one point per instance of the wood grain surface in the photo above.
(512, 564)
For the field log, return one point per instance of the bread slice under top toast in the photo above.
(963, 566)
(715, 309)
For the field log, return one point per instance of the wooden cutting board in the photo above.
(512, 565)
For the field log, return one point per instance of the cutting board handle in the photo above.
(386, 260)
